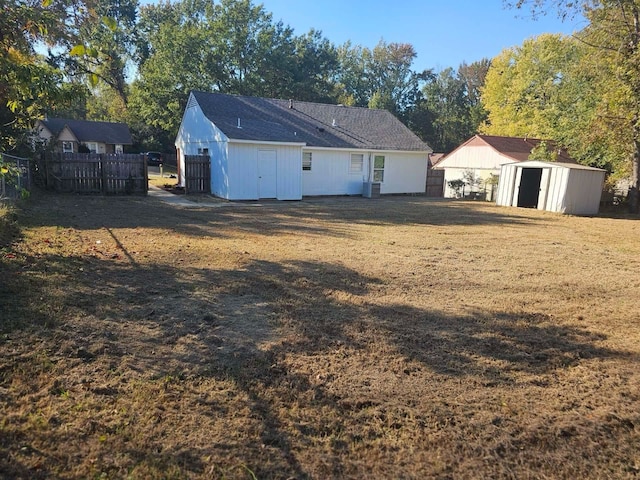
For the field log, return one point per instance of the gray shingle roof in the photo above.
(315, 124)
(89, 131)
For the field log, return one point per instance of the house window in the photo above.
(378, 168)
(67, 147)
(119, 149)
(306, 161)
(203, 151)
(357, 161)
(93, 147)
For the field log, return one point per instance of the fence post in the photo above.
(45, 165)
(103, 173)
(146, 173)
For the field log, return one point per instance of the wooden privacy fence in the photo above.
(197, 174)
(435, 183)
(104, 173)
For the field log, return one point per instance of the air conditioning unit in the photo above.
(371, 189)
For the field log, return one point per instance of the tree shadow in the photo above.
(244, 325)
(328, 216)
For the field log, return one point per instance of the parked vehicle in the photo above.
(153, 158)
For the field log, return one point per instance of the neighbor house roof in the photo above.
(517, 148)
(312, 124)
(435, 158)
(89, 131)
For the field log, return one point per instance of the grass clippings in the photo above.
(400, 337)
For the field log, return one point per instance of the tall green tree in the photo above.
(548, 88)
(29, 85)
(106, 37)
(378, 78)
(613, 35)
(449, 110)
(525, 87)
(177, 59)
(474, 76)
(232, 47)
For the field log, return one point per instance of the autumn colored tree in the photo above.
(613, 37)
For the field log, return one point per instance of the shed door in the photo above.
(267, 165)
(529, 187)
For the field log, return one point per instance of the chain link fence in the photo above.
(17, 178)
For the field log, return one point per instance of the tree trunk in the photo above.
(635, 174)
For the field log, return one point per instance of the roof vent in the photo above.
(239, 123)
(334, 124)
(290, 103)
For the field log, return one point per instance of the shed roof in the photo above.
(313, 124)
(90, 131)
(541, 164)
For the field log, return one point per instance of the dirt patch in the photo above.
(331, 338)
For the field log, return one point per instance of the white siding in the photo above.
(331, 174)
(563, 188)
(483, 160)
(234, 165)
(506, 185)
(451, 174)
(475, 157)
(556, 190)
(405, 173)
(243, 171)
(197, 131)
(289, 173)
(584, 189)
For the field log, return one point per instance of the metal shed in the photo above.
(552, 186)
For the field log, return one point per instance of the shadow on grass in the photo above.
(244, 326)
(334, 216)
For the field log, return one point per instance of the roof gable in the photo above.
(89, 131)
(519, 148)
(314, 124)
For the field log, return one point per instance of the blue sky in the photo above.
(444, 33)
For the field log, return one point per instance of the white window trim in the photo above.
(384, 164)
(351, 170)
(64, 149)
(310, 164)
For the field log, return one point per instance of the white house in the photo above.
(70, 136)
(482, 156)
(552, 186)
(285, 149)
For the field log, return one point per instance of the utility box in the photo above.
(371, 189)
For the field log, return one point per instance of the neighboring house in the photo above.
(552, 186)
(284, 149)
(482, 156)
(69, 135)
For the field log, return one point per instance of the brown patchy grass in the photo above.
(332, 338)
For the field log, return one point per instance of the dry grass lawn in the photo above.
(399, 337)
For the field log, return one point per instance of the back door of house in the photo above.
(267, 168)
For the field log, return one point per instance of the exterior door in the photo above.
(529, 187)
(267, 179)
